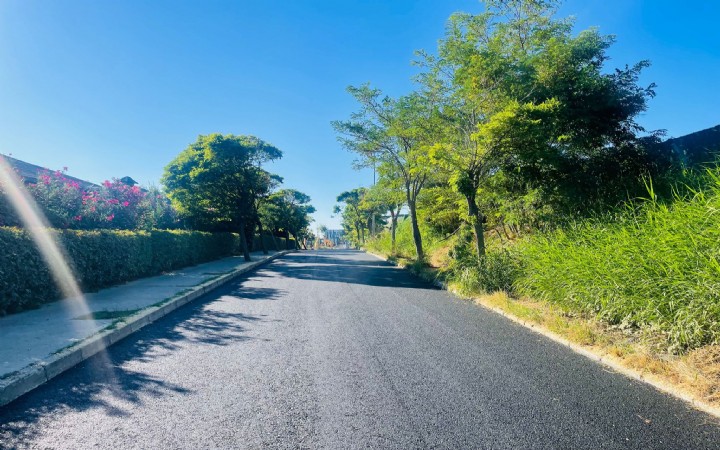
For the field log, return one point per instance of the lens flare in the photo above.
(36, 225)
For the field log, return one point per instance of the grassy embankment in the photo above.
(640, 287)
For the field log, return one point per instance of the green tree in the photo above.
(387, 195)
(261, 188)
(354, 218)
(214, 181)
(293, 211)
(519, 97)
(392, 132)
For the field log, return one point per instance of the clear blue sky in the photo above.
(115, 88)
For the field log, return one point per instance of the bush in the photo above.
(114, 205)
(404, 243)
(100, 258)
(494, 272)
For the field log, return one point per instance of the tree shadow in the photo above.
(108, 382)
(339, 266)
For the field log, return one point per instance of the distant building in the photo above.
(336, 236)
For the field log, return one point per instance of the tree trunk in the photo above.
(505, 232)
(274, 239)
(477, 223)
(243, 241)
(393, 227)
(297, 242)
(262, 239)
(417, 238)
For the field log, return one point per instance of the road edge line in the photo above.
(40, 372)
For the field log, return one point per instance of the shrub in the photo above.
(100, 258)
(496, 271)
(114, 205)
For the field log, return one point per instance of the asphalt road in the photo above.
(336, 349)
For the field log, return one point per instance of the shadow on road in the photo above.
(345, 266)
(113, 382)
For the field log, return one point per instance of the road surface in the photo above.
(336, 349)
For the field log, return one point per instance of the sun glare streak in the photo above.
(37, 226)
(52, 251)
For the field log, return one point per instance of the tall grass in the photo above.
(404, 244)
(656, 267)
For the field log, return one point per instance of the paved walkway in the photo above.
(31, 336)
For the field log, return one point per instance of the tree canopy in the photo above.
(517, 115)
(218, 184)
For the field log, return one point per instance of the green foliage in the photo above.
(156, 211)
(354, 215)
(291, 209)
(497, 270)
(67, 204)
(405, 245)
(517, 121)
(654, 265)
(8, 215)
(392, 135)
(491, 273)
(100, 258)
(215, 181)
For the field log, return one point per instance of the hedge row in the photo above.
(103, 258)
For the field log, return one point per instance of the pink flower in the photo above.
(110, 217)
(126, 203)
(77, 218)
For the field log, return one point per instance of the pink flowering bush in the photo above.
(113, 205)
(59, 198)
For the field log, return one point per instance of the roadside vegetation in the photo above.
(216, 201)
(516, 173)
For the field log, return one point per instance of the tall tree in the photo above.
(392, 132)
(354, 218)
(387, 195)
(262, 186)
(518, 96)
(214, 180)
(294, 209)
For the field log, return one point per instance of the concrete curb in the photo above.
(603, 359)
(32, 376)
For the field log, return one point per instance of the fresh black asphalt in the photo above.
(336, 349)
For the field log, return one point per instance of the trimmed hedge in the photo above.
(282, 243)
(102, 258)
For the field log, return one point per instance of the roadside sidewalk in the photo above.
(37, 345)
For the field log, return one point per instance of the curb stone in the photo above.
(599, 358)
(37, 374)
